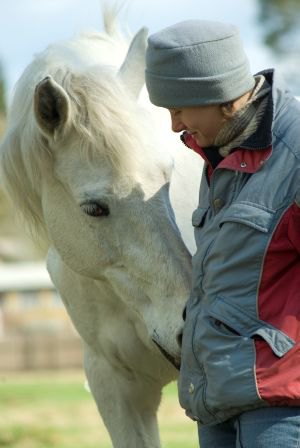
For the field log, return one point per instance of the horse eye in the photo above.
(95, 209)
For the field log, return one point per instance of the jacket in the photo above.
(241, 339)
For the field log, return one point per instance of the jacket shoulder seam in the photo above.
(282, 140)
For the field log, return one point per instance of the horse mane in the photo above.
(101, 110)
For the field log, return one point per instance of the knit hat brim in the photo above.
(170, 92)
(196, 63)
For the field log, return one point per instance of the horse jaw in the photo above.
(51, 107)
(132, 71)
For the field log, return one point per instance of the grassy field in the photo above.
(43, 410)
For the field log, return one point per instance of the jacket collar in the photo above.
(246, 160)
(262, 137)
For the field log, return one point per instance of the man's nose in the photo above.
(177, 125)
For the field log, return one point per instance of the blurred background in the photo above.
(41, 378)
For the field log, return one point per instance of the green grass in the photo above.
(43, 410)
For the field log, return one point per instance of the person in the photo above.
(240, 374)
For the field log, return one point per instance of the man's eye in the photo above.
(95, 209)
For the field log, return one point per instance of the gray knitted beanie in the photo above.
(196, 62)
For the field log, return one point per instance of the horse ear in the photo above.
(132, 71)
(51, 106)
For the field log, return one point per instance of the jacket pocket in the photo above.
(220, 368)
(253, 215)
(198, 216)
(234, 318)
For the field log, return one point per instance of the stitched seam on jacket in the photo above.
(287, 145)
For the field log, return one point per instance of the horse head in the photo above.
(85, 160)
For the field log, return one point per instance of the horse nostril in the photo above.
(179, 338)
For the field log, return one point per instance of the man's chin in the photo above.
(200, 141)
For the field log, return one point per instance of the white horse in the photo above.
(86, 162)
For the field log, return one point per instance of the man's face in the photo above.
(202, 122)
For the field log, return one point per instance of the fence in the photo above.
(37, 351)
(35, 330)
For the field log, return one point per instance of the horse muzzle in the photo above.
(175, 361)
